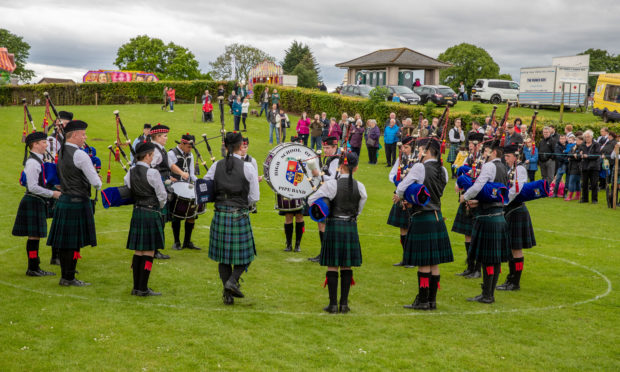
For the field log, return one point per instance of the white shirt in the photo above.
(245, 106)
(154, 179)
(416, 174)
(172, 159)
(251, 175)
(333, 170)
(521, 177)
(253, 162)
(487, 174)
(330, 188)
(453, 137)
(157, 156)
(82, 162)
(32, 170)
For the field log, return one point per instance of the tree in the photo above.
(601, 60)
(246, 57)
(504, 76)
(300, 54)
(469, 63)
(21, 49)
(305, 77)
(167, 61)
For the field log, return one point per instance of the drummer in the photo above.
(292, 209)
(246, 157)
(182, 157)
(159, 136)
(329, 171)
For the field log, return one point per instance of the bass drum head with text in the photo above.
(285, 174)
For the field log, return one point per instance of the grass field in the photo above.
(566, 316)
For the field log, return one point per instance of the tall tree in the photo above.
(469, 63)
(297, 53)
(168, 61)
(601, 60)
(245, 56)
(16, 45)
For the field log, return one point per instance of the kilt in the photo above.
(427, 241)
(399, 217)
(31, 217)
(146, 230)
(490, 237)
(231, 240)
(341, 244)
(520, 227)
(454, 150)
(73, 225)
(463, 221)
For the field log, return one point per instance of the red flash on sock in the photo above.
(423, 282)
(76, 255)
(352, 281)
(438, 286)
(148, 265)
(325, 282)
(519, 266)
(33, 254)
(490, 270)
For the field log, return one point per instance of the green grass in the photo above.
(562, 319)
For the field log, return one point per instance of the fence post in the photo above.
(195, 100)
(96, 99)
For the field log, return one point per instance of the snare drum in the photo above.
(284, 173)
(201, 208)
(183, 202)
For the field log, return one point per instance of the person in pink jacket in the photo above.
(303, 128)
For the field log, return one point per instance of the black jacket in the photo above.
(592, 162)
(546, 146)
(560, 160)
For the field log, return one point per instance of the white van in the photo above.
(495, 91)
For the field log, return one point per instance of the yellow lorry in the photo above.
(607, 97)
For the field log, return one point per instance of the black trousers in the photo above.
(589, 181)
(372, 155)
(390, 153)
(356, 150)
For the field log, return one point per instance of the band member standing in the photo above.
(329, 171)
(399, 215)
(55, 140)
(231, 242)
(427, 244)
(32, 212)
(518, 220)
(182, 157)
(247, 158)
(490, 240)
(144, 137)
(159, 137)
(73, 224)
(292, 209)
(341, 248)
(146, 231)
(457, 137)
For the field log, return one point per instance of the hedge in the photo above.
(312, 101)
(109, 93)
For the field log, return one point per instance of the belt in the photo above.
(345, 218)
(148, 207)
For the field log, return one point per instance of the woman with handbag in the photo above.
(372, 141)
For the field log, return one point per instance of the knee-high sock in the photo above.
(135, 265)
(332, 286)
(511, 270)
(237, 271)
(288, 232)
(498, 269)
(55, 254)
(299, 231)
(176, 229)
(225, 271)
(423, 286)
(403, 238)
(147, 265)
(66, 263)
(433, 288)
(346, 277)
(518, 263)
(189, 227)
(470, 260)
(32, 248)
(488, 276)
(76, 257)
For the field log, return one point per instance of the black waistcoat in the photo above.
(141, 191)
(231, 189)
(72, 179)
(346, 202)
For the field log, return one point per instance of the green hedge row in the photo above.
(109, 93)
(297, 100)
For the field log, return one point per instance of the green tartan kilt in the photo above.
(454, 150)
(231, 240)
(427, 241)
(31, 217)
(399, 217)
(146, 230)
(490, 237)
(463, 221)
(520, 227)
(73, 224)
(341, 244)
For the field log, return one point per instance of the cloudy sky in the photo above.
(70, 37)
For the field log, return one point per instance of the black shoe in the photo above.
(409, 266)
(388, 166)
(465, 273)
(233, 287)
(297, 248)
(343, 309)
(288, 248)
(161, 256)
(55, 261)
(583, 201)
(227, 298)
(74, 283)
(473, 275)
(594, 201)
(332, 309)
(508, 287)
(482, 299)
(315, 259)
(147, 293)
(401, 263)
(417, 305)
(176, 246)
(432, 305)
(39, 272)
(191, 245)
(134, 292)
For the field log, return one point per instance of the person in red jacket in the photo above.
(171, 98)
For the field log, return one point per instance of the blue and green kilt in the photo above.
(31, 217)
(399, 217)
(454, 150)
(341, 243)
(520, 226)
(427, 241)
(146, 230)
(231, 240)
(73, 224)
(463, 221)
(490, 237)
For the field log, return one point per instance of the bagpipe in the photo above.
(116, 196)
(492, 192)
(92, 153)
(319, 210)
(417, 194)
(49, 173)
(532, 191)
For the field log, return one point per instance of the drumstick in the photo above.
(303, 169)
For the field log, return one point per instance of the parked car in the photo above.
(494, 91)
(438, 94)
(405, 94)
(361, 90)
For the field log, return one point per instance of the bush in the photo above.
(379, 94)
(476, 110)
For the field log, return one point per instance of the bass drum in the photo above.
(288, 205)
(183, 202)
(283, 170)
